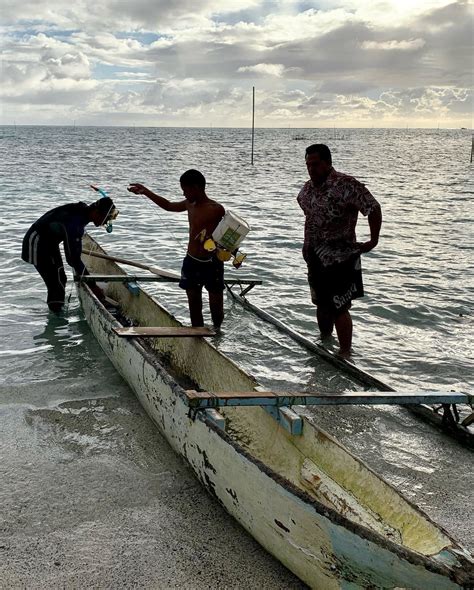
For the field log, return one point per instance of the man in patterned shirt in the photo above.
(331, 202)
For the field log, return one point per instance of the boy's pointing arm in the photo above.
(140, 189)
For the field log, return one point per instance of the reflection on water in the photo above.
(55, 333)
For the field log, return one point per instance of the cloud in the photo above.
(358, 61)
(113, 15)
(388, 13)
(393, 45)
(264, 69)
(40, 69)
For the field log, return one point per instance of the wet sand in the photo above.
(93, 497)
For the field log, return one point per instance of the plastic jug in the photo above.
(230, 232)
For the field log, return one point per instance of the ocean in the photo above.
(66, 411)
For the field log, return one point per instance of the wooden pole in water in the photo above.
(253, 121)
(472, 146)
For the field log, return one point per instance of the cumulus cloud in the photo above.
(264, 69)
(394, 45)
(357, 61)
(39, 69)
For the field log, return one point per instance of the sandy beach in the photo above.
(93, 497)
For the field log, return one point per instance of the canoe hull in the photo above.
(260, 473)
(292, 527)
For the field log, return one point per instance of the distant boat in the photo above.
(299, 137)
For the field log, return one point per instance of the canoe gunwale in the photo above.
(410, 555)
(454, 572)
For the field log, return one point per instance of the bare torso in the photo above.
(203, 217)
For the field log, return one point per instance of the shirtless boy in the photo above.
(200, 267)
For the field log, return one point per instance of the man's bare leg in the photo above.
(195, 307)
(216, 305)
(325, 321)
(343, 323)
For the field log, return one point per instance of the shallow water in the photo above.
(413, 330)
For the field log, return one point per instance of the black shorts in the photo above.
(335, 286)
(196, 274)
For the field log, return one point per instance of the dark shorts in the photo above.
(335, 286)
(196, 274)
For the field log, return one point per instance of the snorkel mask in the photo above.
(107, 207)
(110, 217)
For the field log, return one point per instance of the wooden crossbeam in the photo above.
(164, 331)
(203, 399)
(128, 278)
(154, 279)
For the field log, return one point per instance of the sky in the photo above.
(329, 63)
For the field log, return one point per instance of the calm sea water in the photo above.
(413, 330)
(415, 326)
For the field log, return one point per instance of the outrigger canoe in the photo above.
(303, 496)
(454, 419)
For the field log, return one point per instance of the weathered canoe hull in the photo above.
(321, 547)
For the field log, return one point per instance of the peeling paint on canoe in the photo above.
(262, 465)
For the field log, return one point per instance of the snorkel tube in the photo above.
(108, 224)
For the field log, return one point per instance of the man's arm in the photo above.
(139, 189)
(73, 248)
(375, 223)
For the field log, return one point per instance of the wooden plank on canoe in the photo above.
(164, 331)
(171, 275)
(153, 269)
(127, 278)
(204, 399)
(156, 279)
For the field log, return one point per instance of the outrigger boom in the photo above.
(156, 279)
(203, 399)
(444, 415)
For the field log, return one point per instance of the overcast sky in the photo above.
(353, 63)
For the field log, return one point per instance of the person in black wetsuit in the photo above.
(63, 224)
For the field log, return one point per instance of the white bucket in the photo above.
(230, 232)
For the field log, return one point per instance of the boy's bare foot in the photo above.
(345, 354)
(325, 335)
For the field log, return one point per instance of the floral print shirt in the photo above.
(331, 211)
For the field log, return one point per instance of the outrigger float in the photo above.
(304, 497)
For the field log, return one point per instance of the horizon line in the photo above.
(332, 127)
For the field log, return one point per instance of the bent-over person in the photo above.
(331, 202)
(63, 224)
